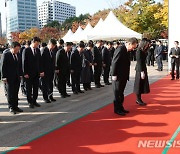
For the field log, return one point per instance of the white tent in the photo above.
(76, 35)
(112, 29)
(86, 31)
(68, 36)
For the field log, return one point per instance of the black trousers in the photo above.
(87, 85)
(12, 93)
(150, 60)
(62, 80)
(118, 89)
(97, 74)
(76, 81)
(47, 86)
(106, 74)
(32, 85)
(173, 68)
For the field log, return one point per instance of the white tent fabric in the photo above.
(74, 37)
(86, 31)
(112, 29)
(68, 35)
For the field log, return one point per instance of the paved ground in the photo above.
(21, 128)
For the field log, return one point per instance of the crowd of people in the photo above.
(35, 65)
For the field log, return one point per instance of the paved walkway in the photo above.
(21, 128)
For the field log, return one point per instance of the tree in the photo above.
(54, 24)
(3, 40)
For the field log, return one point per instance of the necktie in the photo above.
(15, 58)
(34, 52)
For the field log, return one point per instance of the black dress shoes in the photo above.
(67, 95)
(121, 113)
(98, 86)
(172, 79)
(63, 96)
(80, 91)
(18, 110)
(52, 99)
(12, 111)
(141, 103)
(47, 101)
(75, 92)
(31, 105)
(36, 104)
(125, 111)
(101, 85)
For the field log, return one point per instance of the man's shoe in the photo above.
(80, 91)
(47, 101)
(120, 113)
(98, 86)
(75, 92)
(31, 105)
(36, 104)
(141, 103)
(67, 95)
(177, 78)
(63, 96)
(52, 99)
(101, 85)
(18, 110)
(12, 111)
(172, 79)
(125, 111)
(90, 88)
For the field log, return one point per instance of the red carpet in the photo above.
(103, 132)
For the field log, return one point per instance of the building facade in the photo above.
(53, 10)
(21, 15)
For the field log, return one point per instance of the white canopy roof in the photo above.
(85, 32)
(68, 35)
(74, 37)
(112, 29)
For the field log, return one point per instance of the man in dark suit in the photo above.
(106, 60)
(32, 69)
(63, 68)
(97, 62)
(175, 57)
(158, 55)
(11, 67)
(76, 67)
(48, 64)
(120, 74)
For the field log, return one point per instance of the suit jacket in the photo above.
(48, 62)
(106, 56)
(76, 61)
(121, 63)
(11, 69)
(159, 51)
(173, 51)
(141, 61)
(97, 55)
(32, 64)
(62, 62)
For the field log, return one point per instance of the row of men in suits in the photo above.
(34, 65)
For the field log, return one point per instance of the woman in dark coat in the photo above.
(87, 72)
(141, 84)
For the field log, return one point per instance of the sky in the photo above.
(82, 6)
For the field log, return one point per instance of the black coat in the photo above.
(106, 56)
(97, 55)
(141, 86)
(32, 64)
(76, 61)
(87, 72)
(62, 62)
(159, 51)
(10, 69)
(173, 51)
(48, 62)
(121, 63)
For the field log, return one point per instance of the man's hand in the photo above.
(72, 71)
(142, 75)
(56, 71)
(114, 78)
(95, 64)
